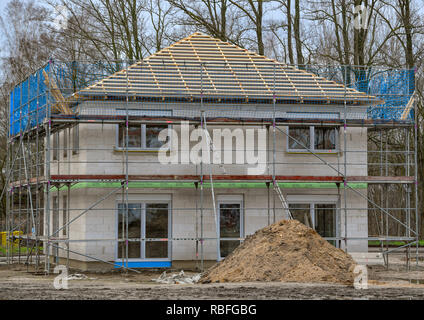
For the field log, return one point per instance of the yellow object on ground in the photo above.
(3, 237)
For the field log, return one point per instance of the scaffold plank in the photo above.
(228, 178)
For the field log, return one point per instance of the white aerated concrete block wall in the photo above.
(111, 160)
(357, 221)
(102, 222)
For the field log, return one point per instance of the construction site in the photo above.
(172, 162)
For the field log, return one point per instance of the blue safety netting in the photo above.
(28, 103)
(28, 100)
(394, 87)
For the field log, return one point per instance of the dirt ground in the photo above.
(17, 284)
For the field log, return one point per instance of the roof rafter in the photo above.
(228, 72)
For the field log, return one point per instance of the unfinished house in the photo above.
(172, 161)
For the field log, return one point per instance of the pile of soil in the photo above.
(286, 251)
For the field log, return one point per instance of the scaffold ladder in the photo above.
(282, 199)
(210, 148)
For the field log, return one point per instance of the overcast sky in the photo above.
(3, 4)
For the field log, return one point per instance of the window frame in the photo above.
(143, 200)
(75, 139)
(55, 224)
(312, 142)
(229, 199)
(56, 147)
(143, 146)
(65, 143)
(312, 202)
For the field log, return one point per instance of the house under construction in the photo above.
(173, 160)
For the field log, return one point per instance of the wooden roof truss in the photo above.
(200, 64)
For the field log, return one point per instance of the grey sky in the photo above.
(3, 4)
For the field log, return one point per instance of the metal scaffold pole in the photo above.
(48, 125)
(20, 210)
(68, 204)
(274, 142)
(29, 193)
(37, 184)
(386, 198)
(417, 214)
(126, 170)
(9, 171)
(345, 157)
(196, 185)
(408, 196)
(274, 155)
(22, 139)
(202, 267)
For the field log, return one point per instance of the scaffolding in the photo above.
(206, 83)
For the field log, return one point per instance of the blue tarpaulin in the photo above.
(28, 103)
(395, 87)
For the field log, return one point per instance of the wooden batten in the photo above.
(225, 71)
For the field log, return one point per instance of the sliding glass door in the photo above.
(149, 221)
(325, 220)
(156, 227)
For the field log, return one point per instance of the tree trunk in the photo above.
(289, 33)
(300, 59)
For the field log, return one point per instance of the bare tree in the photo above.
(114, 28)
(297, 37)
(286, 27)
(159, 13)
(210, 16)
(27, 42)
(26, 45)
(284, 38)
(253, 10)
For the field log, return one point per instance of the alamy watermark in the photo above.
(60, 21)
(361, 278)
(61, 281)
(361, 17)
(198, 146)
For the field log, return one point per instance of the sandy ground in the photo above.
(17, 284)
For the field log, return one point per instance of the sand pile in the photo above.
(286, 251)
